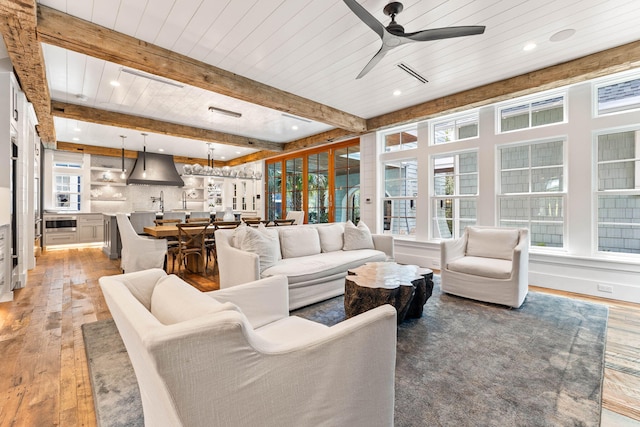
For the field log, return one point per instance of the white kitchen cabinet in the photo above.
(90, 228)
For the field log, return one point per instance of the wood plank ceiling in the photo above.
(284, 64)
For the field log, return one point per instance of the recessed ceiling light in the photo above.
(76, 139)
(397, 92)
(529, 46)
(114, 83)
(222, 157)
(294, 127)
(77, 129)
(238, 152)
(562, 35)
(161, 149)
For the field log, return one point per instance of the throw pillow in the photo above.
(265, 245)
(299, 241)
(238, 235)
(357, 237)
(273, 233)
(175, 301)
(331, 239)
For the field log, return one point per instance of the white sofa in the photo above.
(487, 264)
(314, 257)
(234, 357)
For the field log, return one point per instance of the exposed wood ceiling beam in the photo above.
(62, 30)
(18, 29)
(111, 118)
(588, 67)
(253, 157)
(129, 154)
(320, 139)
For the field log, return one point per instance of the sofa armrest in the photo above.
(235, 266)
(452, 249)
(262, 301)
(384, 243)
(140, 283)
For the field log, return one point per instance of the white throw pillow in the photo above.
(238, 235)
(175, 301)
(357, 237)
(331, 237)
(273, 233)
(491, 242)
(264, 244)
(299, 241)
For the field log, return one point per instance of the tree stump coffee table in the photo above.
(406, 287)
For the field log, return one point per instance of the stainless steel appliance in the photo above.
(60, 224)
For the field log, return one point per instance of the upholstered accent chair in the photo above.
(487, 264)
(139, 252)
(297, 216)
(235, 357)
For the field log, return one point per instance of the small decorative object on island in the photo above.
(228, 215)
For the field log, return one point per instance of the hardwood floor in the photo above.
(44, 378)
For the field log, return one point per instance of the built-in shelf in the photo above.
(111, 183)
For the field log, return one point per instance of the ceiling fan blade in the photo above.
(372, 63)
(365, 16)
(445, 33)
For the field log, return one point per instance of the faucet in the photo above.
(184, 200)
(159, 199)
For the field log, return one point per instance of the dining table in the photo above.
(196, 263)
(171, 230)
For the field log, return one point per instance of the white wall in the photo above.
(575, 268)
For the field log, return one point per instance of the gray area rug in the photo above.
(464, 363)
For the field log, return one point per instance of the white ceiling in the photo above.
(314, 49)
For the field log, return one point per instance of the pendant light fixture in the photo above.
(122, 175)
(144, 156)
(209, 155)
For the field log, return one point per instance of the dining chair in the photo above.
(140, 220)
(182, 216)
(191, 239)
(139, 252)
(198, 219)
(172, 242)
(200, 214)
(297, 216)
(252, 221)
(284, 221)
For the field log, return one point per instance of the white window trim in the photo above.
(474, 113)
(530, 100)
(383, 134)
(607, 81)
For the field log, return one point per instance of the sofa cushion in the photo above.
(321, 266)
(265, 245)
(293, 326)
(175, 301)
(299, 241)
(494, 268)
(491, 242)
(357, 237)
(331, 237)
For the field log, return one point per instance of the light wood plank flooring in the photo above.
(44, 379)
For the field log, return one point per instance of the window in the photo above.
(532, 113)
(455, 128)
(617, 96)
(274, 190)
(455, 190)
(618, 192)
(400, 194)
(401, 139)
(318, 187)
(67, 181)
(532, 191)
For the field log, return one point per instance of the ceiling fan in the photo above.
(393, 35)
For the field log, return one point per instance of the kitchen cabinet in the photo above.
(90, 228)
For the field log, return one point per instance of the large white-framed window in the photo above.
(400, 196)
(455, 128)
(531, 112)
(532, 190)
(454, 193)
(67, 186)
(617, 95)
(400, 138)
(618, 191)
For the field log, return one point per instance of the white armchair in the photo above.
(235, 357)
(487, 264)
(138, 252)
(297, 216)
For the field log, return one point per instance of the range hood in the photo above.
(154, 169)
